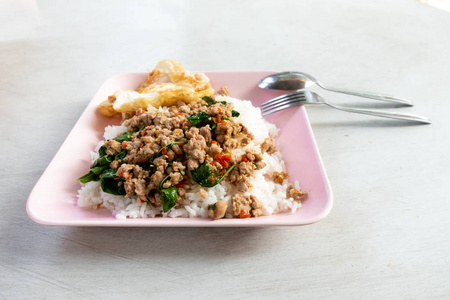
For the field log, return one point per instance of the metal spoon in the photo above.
(300, 80)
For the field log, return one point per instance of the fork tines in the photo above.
(282, 102)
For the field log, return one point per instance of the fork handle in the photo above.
(376, 96)
(382, 113)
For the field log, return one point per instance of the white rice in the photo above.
(272, 196)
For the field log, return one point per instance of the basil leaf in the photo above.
(195, 119)
(109, 173)
(98, 170)
(90, 176)
(102, 161)
(256, 165)
(102, 151)
(211, 101)
(126, 136)
(111, 186)
(119, 157)
(169, 198)
(201, 174)
(235, 114)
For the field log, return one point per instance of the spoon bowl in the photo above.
(287, 81)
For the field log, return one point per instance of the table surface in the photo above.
(387, 236)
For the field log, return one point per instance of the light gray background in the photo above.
(387, 236)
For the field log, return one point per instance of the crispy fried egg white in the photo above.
(168, 83)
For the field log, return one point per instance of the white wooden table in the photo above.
(388, 235)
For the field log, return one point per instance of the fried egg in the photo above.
(168, 83)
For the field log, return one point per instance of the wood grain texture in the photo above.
(387, 236)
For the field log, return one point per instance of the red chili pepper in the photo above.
(226, 157)
(223, 163)
(124, 145)
(144, 132)
(217, 119)
(144, 161)
(223, 159)
(181, 184)
(244, 158)
(164, 151)
(243, 215)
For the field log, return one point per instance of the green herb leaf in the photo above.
(119, 157)
(109, 173)
(111, 186)
(196, 119)
(203, 175)
(212, 206)
(256, 165)
(98, 170)
(126, 136)
(211, 101)
(102, 151)
(235, 114)
(90, 176)
(169, 198)
(102, 161)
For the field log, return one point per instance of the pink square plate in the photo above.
(53, 199)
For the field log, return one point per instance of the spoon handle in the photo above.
(376, 96)
(384, 114)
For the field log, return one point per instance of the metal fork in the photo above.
(307, 97)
